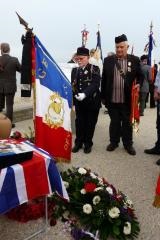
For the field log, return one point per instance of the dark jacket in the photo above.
(9, 66)
(87, 81)
(133, 72)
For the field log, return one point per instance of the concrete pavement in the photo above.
(134, 175)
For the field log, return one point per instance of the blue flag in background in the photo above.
(150, 48)
(98, 47)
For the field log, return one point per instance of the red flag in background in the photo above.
(135, 117)
(156, 202)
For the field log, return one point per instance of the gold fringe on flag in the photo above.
(156, 202)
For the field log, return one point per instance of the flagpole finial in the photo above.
(24, 23)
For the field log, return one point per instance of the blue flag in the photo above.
(53, 106)
(98, 47)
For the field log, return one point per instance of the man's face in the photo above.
(121, 49)
(82, 60)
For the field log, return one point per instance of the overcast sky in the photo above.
(58, 24)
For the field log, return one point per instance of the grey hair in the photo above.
(5, 48)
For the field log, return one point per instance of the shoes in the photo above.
(158, 162)
(13, 125)
(87, 149)
(111, 147)
(130, 150)
(76, 148)
(153, 150)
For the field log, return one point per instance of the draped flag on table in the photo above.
(156, 202)
(53, 106)
(20, 183)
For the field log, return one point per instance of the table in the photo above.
(33, 178)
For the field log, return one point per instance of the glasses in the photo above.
(80, 58)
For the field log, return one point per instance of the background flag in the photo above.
(84, 36)
(53, 106)
(149, 46)
(98, 46)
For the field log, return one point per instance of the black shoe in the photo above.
(13, 125)
(130, 150)
(111, 147)
(158, 162)
(76, 148)
(87, 149)
(152, 151)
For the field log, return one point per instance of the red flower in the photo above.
(89, 186)
(17, 135)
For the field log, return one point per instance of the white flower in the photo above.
(83, 191)
(127, 228)
(93, 175)
(109, 190)
(82, 171)
(96, 200)
(129, 202)
(66, 214)
(100, 181)
(98, 189)
(114, 212)
(87, 208)
(66, 184)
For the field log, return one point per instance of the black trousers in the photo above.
(85, 123)
(9, 99)
(120, 125)
(151, 91)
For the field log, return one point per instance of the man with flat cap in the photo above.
(85, 81)
(119, 72)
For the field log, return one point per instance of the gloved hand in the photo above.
(80, 96)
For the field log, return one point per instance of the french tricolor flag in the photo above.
(20, 183)
(53, 102)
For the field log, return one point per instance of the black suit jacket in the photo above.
(87, 82)
(9, 66)
(133, 72)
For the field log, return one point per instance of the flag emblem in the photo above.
(55, 114)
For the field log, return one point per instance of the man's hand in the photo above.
(80, 96)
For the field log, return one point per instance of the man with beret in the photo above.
(119, 73)
(85, 81)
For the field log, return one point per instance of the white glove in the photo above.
(80, 96)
